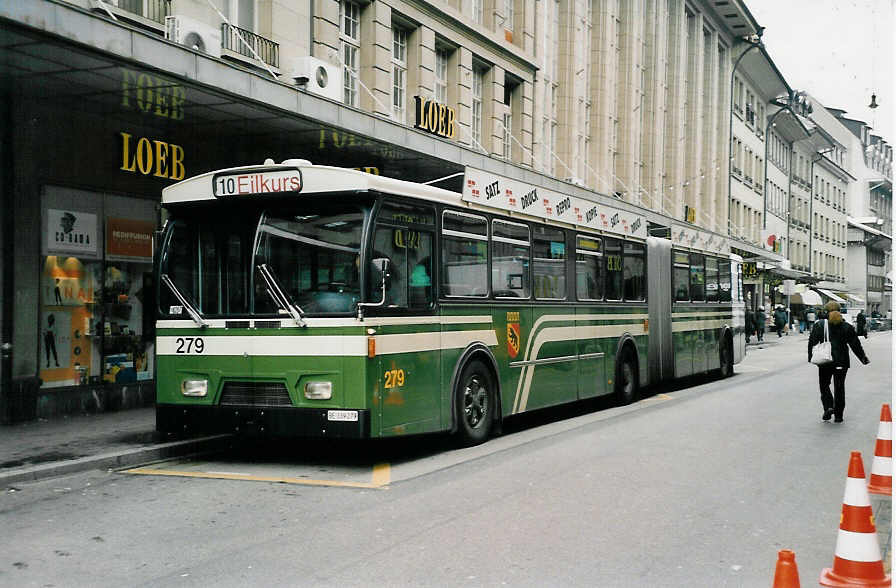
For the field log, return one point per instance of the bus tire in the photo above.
(626, 383)
(726, 357)
(474, 398)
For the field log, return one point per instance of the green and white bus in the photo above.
(297, 299)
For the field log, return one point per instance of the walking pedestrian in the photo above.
(810, 317)
(840, 334)
(780, 319)
(759, 320)
(802, 317)
(748, 324)
(861, 324)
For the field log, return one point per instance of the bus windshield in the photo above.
(212, 257)
(315, 257)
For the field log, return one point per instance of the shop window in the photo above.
(96, 293)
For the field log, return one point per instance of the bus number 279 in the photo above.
(190, 345)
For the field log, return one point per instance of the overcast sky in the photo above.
(840, 51)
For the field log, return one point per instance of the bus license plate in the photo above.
(342, 415)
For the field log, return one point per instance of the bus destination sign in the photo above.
(260, 182)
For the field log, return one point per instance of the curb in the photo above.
(114, 460)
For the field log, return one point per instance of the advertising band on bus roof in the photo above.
(691, 238)
(511, 195)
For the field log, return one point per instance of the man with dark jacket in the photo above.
(860, 324)
(780, 319)
(840, 334)
(759, 322)
(748, 324)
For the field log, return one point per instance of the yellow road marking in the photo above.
(379, 480)
(382, 475)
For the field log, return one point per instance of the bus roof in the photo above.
(293, 177)
(258, 180)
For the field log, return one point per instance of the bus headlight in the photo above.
(194, 387)
(319, 390)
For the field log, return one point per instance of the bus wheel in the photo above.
(474, 403)
(726, 361)
(627, 377)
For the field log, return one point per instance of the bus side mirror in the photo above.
(381, 273)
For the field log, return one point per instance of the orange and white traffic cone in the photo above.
(881, 481)
(786, 574)
(857, 560)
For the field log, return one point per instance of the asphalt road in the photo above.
(696, 486)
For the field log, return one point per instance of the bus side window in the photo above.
(633, 266)
(464, 247)
(698, 277)
(589, 265)
(510, 260)
(385, 246)
(712, 279)
(681, 269)
(613, 265)
(420, 267)
(549, 263)
(724, 280)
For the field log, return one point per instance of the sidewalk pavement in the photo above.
(770, 339)
(45, 448)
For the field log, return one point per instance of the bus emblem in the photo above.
(513, 339)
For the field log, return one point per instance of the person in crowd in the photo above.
(780, 318)
(748, 324)
(802, 318)
(810, 317)
(861, 324)
(759, 321)
(841, 334)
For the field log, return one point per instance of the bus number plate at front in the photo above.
(259, 182)
(342, 415)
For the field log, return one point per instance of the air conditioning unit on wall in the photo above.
(193, 34)
(318, 77)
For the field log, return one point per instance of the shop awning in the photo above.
(855, 298)
(791, 273)
(809, 298)
(831, 295)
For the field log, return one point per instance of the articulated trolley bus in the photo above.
(307, 300)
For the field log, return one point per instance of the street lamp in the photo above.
(753, 41)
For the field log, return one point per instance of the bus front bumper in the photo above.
(279, 422)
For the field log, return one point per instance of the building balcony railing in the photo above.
(267, 50)
(155, 10)
(148, 13)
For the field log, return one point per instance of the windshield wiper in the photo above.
(194, 314)
(276, 292)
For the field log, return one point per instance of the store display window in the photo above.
(96, 317)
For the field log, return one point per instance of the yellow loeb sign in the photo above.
(435, 118)
(151, 156)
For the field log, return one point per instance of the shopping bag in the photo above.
(821, 352)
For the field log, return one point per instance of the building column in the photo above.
(376, 59)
